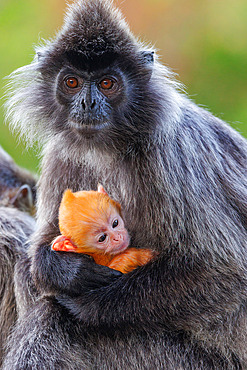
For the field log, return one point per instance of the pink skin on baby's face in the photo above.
(111, 237)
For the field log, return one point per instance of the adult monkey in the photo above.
(17, 195)
(106, 112)
(17, 185)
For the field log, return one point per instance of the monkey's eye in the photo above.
(72, 82)
(102, 238)
(106, 84)
(115, 223)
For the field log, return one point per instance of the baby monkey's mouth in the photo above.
(120, 248)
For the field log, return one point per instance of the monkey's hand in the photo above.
(85, 275)
(68, 273)
(130, 259)
(63, 244)
(166, 293)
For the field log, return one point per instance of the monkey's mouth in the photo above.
(121, 248)
(88, 127)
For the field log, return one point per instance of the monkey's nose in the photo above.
(117, 237)
(93, 104)
(88, 105)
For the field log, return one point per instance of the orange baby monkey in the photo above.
(90, 222)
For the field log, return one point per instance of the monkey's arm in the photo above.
(175, 292)
(131, 259)
(68, 272)
(52, 271)
(123, 262)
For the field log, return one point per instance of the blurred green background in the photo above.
(204, 42)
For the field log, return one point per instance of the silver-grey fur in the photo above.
(15, 229)
(180, 176)
(17, 185)
(17, 195)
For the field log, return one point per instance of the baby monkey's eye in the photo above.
(115, 223)
(72, 82)
(102, 238)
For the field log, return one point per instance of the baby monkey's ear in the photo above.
(101, 189)
(68, 195)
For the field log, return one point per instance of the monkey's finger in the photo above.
(93, 276)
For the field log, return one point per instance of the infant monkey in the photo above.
(90, 222)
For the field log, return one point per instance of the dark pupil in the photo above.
(106, 84)
(72, 82)
(102, 238)
(115, 223)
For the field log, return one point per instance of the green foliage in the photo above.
(22, 24)
(203, 41)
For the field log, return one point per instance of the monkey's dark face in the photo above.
(89, 98)
(95, 98)
(89, 86)
(87, 93)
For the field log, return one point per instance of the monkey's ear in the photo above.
(41, 53)
(24, 198)
(68, 195)
(148, 56)
(39, 56)
(101, 189)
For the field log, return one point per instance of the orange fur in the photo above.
(79, 214)
(130, 259)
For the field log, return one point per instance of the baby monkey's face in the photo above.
(109, 235)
